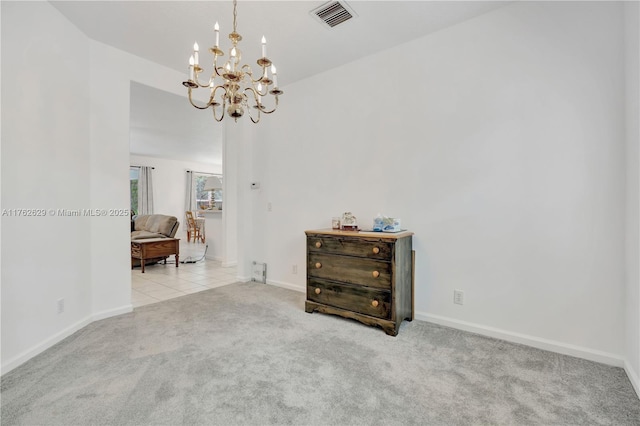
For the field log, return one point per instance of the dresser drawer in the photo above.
(367, 301)
(350, 247)
(353, 270)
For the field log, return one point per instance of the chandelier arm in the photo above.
(253, 92)
(266, 91)
(273, 110)
(255, 120)
(224, 107)
(198, 82)
(216, 67)
(259, 80)
(217, 72)
(248, 71)
(196, 105)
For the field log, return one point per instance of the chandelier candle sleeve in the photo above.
(233, 86)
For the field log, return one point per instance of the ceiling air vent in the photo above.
(334, 13)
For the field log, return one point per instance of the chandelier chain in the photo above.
(235, 14)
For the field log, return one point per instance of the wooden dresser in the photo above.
(366, 276)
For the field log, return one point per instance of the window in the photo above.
(134, 174)
(206, 199)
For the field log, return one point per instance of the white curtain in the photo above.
(190, 202)
(145, 191)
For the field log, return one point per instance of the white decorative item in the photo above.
(349, 222)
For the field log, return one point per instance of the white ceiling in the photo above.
(300, 46)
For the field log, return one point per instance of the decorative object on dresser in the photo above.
(366, 276)
(348, 222)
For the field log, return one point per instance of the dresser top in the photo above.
(370, 234)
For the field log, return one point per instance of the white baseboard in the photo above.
(58, 337)
(633, 377)
(295, 287)
(112, 313)
(43, 346)
(228, 264)
(536, 342)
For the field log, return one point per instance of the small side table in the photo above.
(155, 247)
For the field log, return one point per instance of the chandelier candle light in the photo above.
(232, 85)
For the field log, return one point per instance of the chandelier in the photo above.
(233, 86)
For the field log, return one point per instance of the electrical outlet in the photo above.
(60, 305)
(294, 269)
(458, 297)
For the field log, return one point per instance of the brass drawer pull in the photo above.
(318, 244)
(374, 303)
(376, 250)
(376, 274)
(317, 291)
(318, 265)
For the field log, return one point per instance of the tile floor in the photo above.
(162, 282)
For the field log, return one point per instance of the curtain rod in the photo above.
(205, 173)
(143, 166)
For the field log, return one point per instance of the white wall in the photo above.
(500, 144)
(214, 233)
(112, 71)
(45, 165)
(632, 89)
(68, 127)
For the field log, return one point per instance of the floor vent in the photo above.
(334, 13)
(259, 272)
